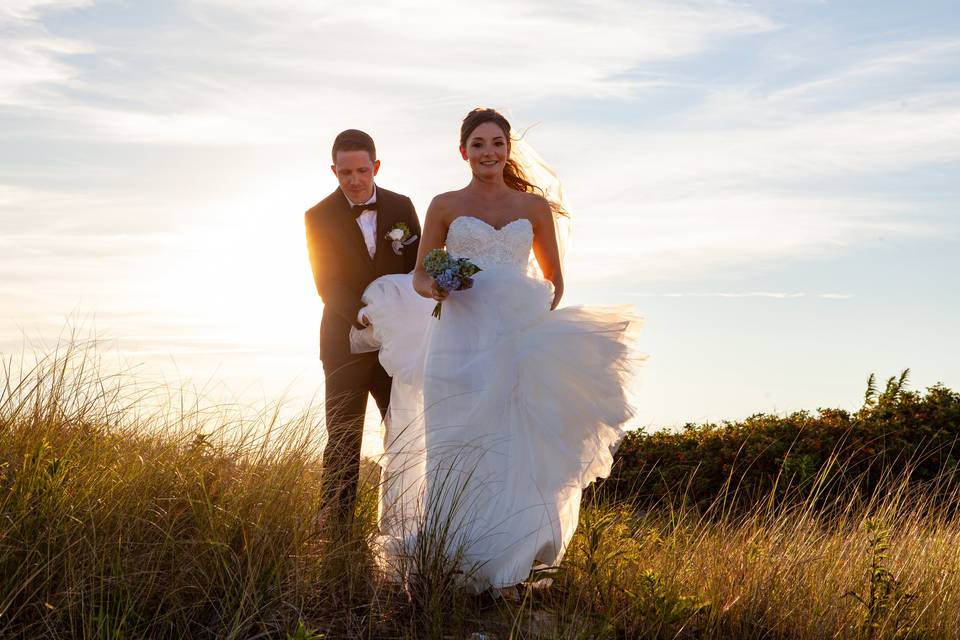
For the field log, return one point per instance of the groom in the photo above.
(349, 247)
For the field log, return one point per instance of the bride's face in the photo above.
(487, 150)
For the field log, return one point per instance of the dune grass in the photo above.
(190, 521)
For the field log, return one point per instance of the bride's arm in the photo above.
(545, 248)
(434, 234)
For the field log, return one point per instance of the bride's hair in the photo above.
(513, 173)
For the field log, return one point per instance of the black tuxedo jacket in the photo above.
(342, 267)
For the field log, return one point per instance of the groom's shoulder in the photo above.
(387, 195)
(323, 207)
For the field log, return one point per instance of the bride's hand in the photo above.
(437, 293)
(427, 286)
(557, 294)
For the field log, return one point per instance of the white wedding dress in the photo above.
(501, 411)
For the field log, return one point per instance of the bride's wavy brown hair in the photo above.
(513, 174)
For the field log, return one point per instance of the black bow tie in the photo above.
(360, 208)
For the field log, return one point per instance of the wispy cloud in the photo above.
(696, 153)
(868, 74)
(697, 235)
(302, 60)
(539, 47)
(777, 295)
(735, 179)
(744, 175)
(745, 178)
(31, 59)
(30, 10)
(835, 296)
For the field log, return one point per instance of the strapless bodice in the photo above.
(486, 246)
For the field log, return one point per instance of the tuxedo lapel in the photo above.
(385, 221)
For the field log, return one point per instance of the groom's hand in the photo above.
(362, 318)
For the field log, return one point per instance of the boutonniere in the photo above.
(399, 237)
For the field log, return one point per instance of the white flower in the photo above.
(396, 234)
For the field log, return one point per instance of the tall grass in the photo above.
(192, 521)
(884, 567)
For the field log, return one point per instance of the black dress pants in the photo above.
(347, 385)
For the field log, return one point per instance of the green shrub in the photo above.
(896, 431)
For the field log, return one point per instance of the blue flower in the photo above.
(449, 280)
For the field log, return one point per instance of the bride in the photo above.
(506, 407)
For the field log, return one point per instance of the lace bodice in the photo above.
(486, 246)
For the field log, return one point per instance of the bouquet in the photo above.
(450, 274)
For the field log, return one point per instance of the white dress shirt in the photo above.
(367, 221)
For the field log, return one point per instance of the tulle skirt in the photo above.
(501, 412)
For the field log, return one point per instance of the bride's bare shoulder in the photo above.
(448, 197)
(534, 206)
(443, 200)
(530, 200)
(444, 205)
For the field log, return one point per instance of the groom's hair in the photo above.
(354, 140)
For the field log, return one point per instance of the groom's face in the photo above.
(355, 171)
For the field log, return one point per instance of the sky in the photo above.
(772, 185)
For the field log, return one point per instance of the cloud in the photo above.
(30, 58)
(743, 175)
(28, 64)
(777, 295)
(744, 179)
(694, 236)
(870, 73)
(575, 48)
(30, 10)
(697, 154)
(280, 67)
